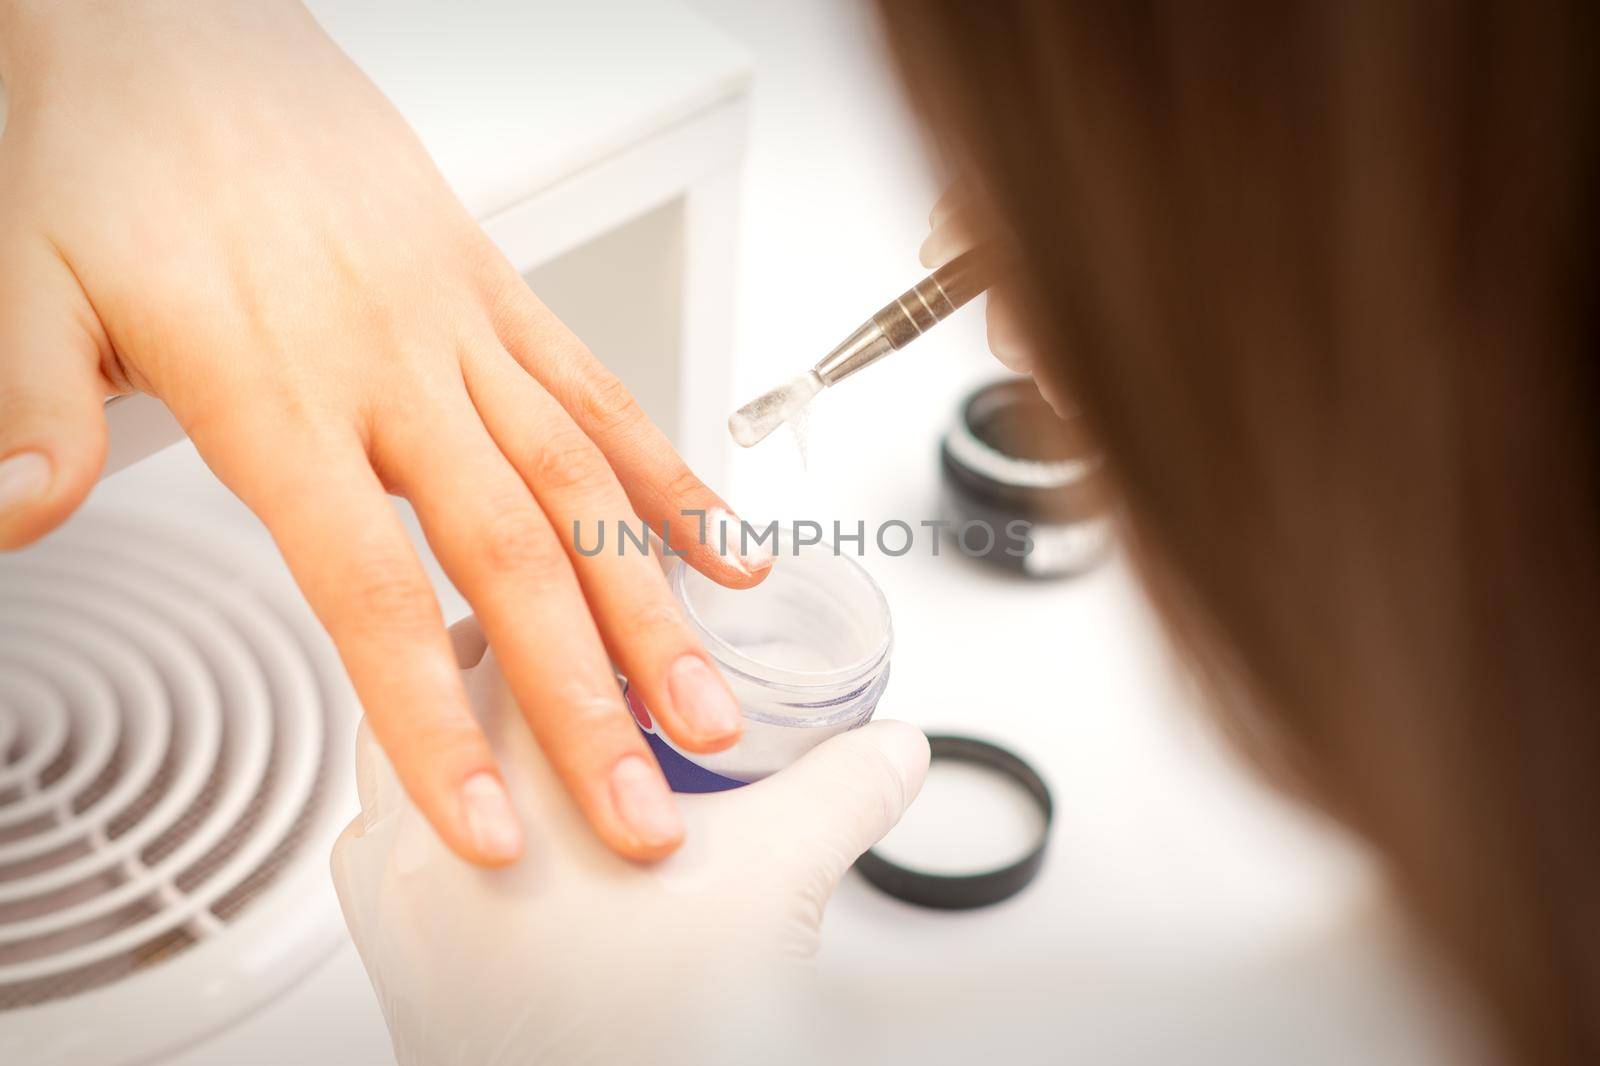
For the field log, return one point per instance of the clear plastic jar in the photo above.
(806, 653)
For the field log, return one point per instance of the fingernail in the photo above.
(738, 547)
(941, 246)
(490, 820)
(701, 699)
(1013, 352)
(24, 477)
(946, 208)
(645, 803)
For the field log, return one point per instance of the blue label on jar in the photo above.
(682, 774)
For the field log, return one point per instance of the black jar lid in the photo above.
(1011, 464)
(1011, 452)
(906, 880)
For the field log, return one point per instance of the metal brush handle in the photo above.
(912, 314)
(933, 299)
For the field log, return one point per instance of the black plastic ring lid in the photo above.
(1008, 448)
(962, 891)
(1028, 480)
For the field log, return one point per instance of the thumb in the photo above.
(844, 795)
(52, 422)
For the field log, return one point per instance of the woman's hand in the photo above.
(953, 228)
(209, 202)
(575, 955)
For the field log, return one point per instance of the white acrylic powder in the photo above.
(751, 423)
(799, 429)
(788, 655)
(726, 534)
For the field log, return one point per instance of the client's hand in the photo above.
(576, 955)
(208, 202)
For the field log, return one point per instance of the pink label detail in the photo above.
(641, 713)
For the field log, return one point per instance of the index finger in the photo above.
(660, 486)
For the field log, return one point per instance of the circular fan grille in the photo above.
(172, 726)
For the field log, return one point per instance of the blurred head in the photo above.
(1321, 278)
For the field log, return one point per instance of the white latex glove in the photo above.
(574, 955)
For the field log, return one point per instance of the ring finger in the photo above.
(502, 553)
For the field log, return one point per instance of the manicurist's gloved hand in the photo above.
(574, 955)
(207, 201)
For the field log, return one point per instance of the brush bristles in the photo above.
(755, 421)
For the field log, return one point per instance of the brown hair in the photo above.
(1321, 278)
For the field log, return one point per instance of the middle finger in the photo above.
(499, 549)
(638, 617)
